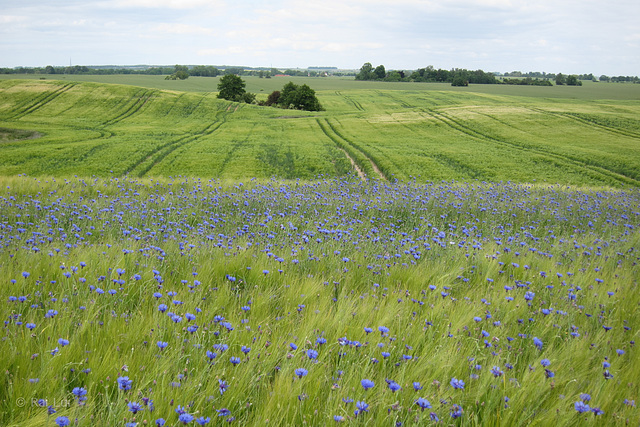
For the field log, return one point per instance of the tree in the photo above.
(231, 88)
(179, 72)
(298, 97)
(560, 79)
(459, 81)
(273, 98)
(366, 72)
(380, 72)
(572, 80)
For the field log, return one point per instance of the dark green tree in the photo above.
(380, 72)
(231, 88)
(273, 98)
(572, 80)
(560, 79)
(459, 80)
(299, 97)
(366, 72)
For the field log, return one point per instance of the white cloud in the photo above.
(167, 4)
(173, 28)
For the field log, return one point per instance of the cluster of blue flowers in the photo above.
(355, 242)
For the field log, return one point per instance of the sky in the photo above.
(567, 36)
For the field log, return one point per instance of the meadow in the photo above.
(169, 258)
(286, 303)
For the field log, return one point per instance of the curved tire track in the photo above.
(354, 153)
(41, 101)
(460, 127)
(156, 155)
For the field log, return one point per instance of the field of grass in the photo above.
(169, 258)
(276, 302)
(428, 133)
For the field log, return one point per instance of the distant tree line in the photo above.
(191, 70)
(527, 81)
(457, 76)
(463, 77)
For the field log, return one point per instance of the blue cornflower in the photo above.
(312, 354)
(160, 422)
(361, 407)
(202, 420)
(301, 372)
(456, 411)
(162, 345)
(545, 362)
(222, 385)
(585, 397)
(30, 326)
(417, 386)
(234, 360)
(367, 384)
(124, 383)
(135, 407)
(383, 330)
(62, 421)
(496, 371)
(63, 342)
(423, 403)
(457, 384)
(79, 392)
(338, 418)
(581, 407)
(185, 418)
(537, 342)
(394, 386)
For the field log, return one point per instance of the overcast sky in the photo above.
(600, 37)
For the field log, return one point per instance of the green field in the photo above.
(415, 254)
(572, 135)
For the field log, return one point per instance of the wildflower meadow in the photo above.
(185, 301)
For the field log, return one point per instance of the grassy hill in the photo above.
(401, 131)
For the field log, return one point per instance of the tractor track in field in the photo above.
(350, 149)
(158, 154)
(140, 101)
(42, 100)
(356, 104)
(462, 128)
(234, 148)
(599, 126)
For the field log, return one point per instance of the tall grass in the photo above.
(463, 275)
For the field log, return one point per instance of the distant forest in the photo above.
(191, 70)
(463, 77)
(455, 76)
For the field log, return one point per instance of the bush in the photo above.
(459, 81)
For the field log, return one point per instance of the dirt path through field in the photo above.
(359, 171)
